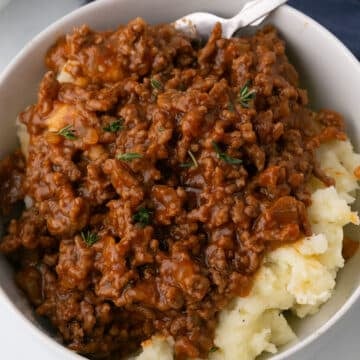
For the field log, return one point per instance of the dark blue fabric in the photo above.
(341, 17)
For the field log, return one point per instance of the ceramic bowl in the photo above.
(327, 68)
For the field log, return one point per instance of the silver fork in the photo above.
(200, 24)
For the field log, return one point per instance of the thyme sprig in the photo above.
(213, 349)
(143, 217)
(115, 126)
(224, 156)
(191, 163)
(89, 237)
(128, 156)
(156, 84)
(246, 95)
(67, 132)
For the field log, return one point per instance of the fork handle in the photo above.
(249, 14)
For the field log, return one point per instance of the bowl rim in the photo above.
(71, 355)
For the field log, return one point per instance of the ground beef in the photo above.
(156, 180)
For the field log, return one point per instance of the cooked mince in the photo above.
(157, 177)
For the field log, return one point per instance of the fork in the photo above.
(200, 24)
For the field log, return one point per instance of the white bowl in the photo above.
(3, 3)
(327, 69)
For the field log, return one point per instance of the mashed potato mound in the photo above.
(299, 277)
(157, 348)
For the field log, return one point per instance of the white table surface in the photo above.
(20, 20)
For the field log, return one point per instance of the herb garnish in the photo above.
(225, 157)
(246, 95)
(186, 165)
(89, 237)
(191, 163)
(143, 217)
(128, 156)
(231, 107)
(213, 349)
(115, 126)
(156, 84)
(67, 132)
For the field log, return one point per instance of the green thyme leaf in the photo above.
(246, 95)
(225, 157)
(143, 217)
(213, 349)
(192, 157)
(186, 165)
(192, 163)
(128, 156)
(230, 160)
(231, 106)
(89, 237)
(156, 84)
(67, 132)
(115, 126)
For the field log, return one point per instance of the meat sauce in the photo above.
(350, 247)
(158, 177)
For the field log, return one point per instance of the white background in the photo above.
(20, 20)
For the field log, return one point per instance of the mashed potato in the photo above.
(299, 277)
